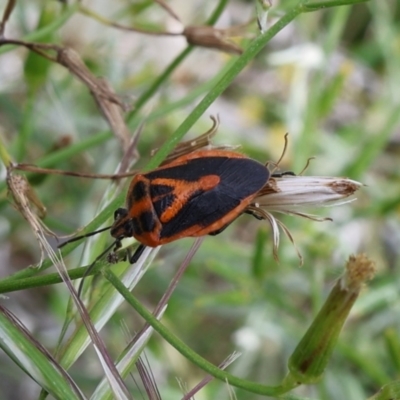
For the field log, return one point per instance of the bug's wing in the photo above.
(208, 211)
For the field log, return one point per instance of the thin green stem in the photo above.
(314, 5)
(142, 100)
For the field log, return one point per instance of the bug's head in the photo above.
(123, 224)
(122, 227)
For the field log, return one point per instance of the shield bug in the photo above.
(197, 194)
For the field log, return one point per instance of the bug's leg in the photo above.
(254, 214)
(279, 175)
(112, 257)
(135, 256)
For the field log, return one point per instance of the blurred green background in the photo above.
(331, 79)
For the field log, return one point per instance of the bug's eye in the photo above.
(119, 213)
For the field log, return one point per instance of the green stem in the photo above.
(187, 351)
(38, 281)
(314, 5)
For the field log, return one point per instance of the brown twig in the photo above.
(39, 170)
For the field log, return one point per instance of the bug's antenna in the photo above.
(84, 236)
(90, 267)
(307, 164)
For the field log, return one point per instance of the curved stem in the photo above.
(187, 351)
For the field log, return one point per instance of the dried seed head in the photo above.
(302, 191)
(208, 36)
(359, 269)
(290, 194)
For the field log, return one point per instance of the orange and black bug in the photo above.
(197, 194)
